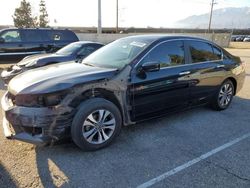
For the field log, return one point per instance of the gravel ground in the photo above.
(143, 152)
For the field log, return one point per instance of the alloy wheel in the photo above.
(99, 126)
(225, 95)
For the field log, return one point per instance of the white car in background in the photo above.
(246, 39)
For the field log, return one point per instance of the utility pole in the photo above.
(211, 15)
(99, 28)
(117, 15)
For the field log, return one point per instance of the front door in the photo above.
(154, 93)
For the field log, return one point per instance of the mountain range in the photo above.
(222, 18)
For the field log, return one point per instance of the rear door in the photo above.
(12, 47)
(207, 70)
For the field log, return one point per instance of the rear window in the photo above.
(202, 52)
(66, 35)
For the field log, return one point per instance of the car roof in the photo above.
(162, 37)
(43, 29)
(87, 42)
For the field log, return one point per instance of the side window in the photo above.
(56, 37)
(86, 50)
(32, 35)
(201, 52)
(11, 36)
(61, 35)
(217, 53)
(167, 54)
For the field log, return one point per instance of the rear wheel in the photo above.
(96, 124)
(224, 96)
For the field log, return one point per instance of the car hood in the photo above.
(57, 77)
(30, 58)
(42, 59)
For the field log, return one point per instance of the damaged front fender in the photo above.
(118, 86)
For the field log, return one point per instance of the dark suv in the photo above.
(129, 80)
(15, 44)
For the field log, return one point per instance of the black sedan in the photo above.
(127, 81)
(73, 52)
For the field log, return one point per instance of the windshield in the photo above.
(69, 49)
(117, 54)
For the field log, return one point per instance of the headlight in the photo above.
(52, 100)
(45, 100)
(27, 100)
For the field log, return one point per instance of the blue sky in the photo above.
(136, 13)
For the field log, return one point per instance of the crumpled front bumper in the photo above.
(38, 126)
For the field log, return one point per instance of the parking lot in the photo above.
(196, 148)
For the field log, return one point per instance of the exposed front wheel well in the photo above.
(94, 93)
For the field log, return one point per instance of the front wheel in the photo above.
(96, 124)
(224, 96)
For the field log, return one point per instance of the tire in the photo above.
(224, 96)
(96, 124)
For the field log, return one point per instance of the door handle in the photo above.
(184, 73)
(220, 66)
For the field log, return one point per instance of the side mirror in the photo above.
(2, 40)
(151, 66)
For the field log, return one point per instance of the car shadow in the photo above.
(65, 165)
(5, 178)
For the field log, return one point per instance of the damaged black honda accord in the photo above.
(129, 80)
